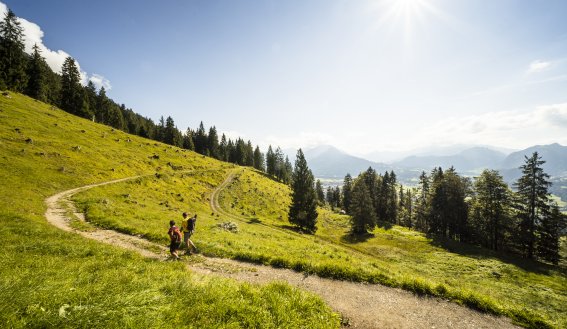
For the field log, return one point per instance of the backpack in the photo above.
(176, 234)
(191, 224)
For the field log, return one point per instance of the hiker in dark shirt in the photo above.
(188, 225)
(175, 239)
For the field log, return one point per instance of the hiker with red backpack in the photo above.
(175, 239)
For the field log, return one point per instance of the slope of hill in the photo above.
(45, 150)
(257, 210)
(50, 278)
(555, 156)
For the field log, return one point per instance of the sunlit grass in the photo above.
(53, 279)
(531, 293)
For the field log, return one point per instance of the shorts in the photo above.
(174, 245)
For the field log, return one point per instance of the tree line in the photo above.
(482, 211)
(32, 76)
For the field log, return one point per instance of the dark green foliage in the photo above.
(259, 160)
(347, 193)
(201, 139)
(303, 208)
(533, 207)
(213, 143)
(490, 213)
(171, 134)
(550, 228)
(36, 76)
(361, 208)
(319, 192)
(72, 96)
(12, 56)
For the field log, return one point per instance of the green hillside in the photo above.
(532, 293)
(50, 278)
(66, 152)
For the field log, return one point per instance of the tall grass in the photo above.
(532, 294)
(54, 279)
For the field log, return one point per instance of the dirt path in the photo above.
(361, 305)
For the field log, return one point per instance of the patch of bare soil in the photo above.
(361, 305)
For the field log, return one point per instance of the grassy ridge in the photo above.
(531, 293)
(50, 278)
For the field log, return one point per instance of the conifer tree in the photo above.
(422, 203)
(303, 208)
(552, 224)
(12, 55)
(319, 192)
(72, 95)
(201, 139)
(259, 159)
(330, 197)
(270, 162)
(533, 196)
(287, 171)
(213, 143)
(249, 154)
(223, 151)
(361, 208)
(188, 140)
(347, 193)
(36, 75)
(490, 210)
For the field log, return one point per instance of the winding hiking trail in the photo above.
(361, 305)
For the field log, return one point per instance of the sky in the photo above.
(364, 76)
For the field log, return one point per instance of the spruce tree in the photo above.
(36, 76)
(320, 193)
(270, 162)
(347, 193)
(491, 210)
(259, 159)
(223, 154)
(213, 143)
(548, 244)
(12, 55)
(533, 196)
(303, 208)
(188, 140)
(201, 140)
(71, 91)
(363, 215)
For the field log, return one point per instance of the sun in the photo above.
(407, 9)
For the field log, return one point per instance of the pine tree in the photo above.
(303, 208)
(223, 152)
(259, 159)
(287, 171)
(12, 55)
(270, 162)
(552, 224)
(72, 94)
(533, 195)
(249, 159)
(36, 76)
(188, 140)
(320, 193)
(422, 203)
(213, 143)
(330, 197)
(347, 193)
(201, 139)
(361, 208)
(490, 210)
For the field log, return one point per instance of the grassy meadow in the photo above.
(531, 293)
(54, 279)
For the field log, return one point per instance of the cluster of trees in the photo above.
(483, 212)
(31, 75)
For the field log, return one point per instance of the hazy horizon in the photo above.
(364, 76)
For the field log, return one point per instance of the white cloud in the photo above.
(301, 140)
(543, 125)
(100, 81)
(538, 66)
(34, 35)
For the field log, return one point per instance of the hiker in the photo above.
(188, 225)
(175, 237)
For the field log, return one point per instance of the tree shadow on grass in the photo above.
(254, 221)
(294, 229)
(352, 238)
(472, 251)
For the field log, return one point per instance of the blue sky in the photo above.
(361, 75)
